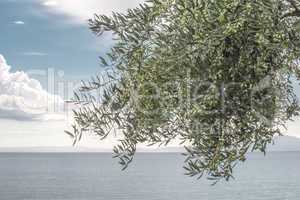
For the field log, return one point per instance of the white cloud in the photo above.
(80, 10)
(293, 128)
(50, 3)
(19, 22)
(23, 98)
(34, 53)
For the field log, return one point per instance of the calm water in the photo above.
(152, 176)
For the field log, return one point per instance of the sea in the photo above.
(151, 176)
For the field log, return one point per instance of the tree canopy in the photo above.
(215, 75)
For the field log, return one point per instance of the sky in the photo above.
(46, 48)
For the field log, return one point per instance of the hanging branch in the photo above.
(296, 12)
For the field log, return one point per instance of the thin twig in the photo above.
(296, 12)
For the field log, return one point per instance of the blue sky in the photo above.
(39, 37)
(47, 39)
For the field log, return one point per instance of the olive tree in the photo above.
(215, 75)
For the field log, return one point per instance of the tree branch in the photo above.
(296, 12)
(294, 4)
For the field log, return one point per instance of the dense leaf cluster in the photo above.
(215, 75)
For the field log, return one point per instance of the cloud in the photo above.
(80, 11)
(19, 22)
(34, 53)
(50, 3)
(23, 98)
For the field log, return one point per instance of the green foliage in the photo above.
(215, 75)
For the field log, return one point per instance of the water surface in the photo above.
(93, 176)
